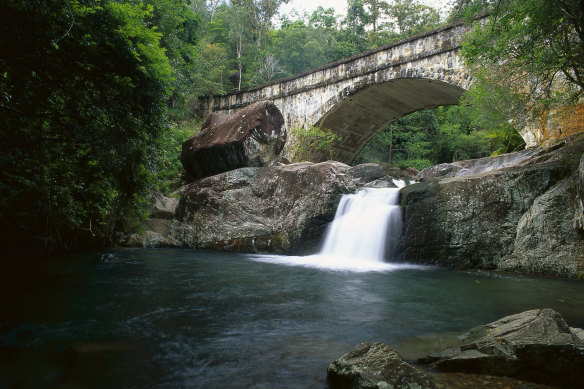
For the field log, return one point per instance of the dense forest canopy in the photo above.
(96, 96)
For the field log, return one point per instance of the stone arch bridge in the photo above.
(358, 96)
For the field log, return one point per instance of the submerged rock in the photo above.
(535, 345)
(253, 136)
(523, 218)
(281, 209)
(375, 366)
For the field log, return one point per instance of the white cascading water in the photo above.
(367, 226)
(365, 232)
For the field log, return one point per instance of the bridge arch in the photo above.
(358, 114)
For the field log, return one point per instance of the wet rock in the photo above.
(163, 207)
(519, 218)
(411, 172)
(253, 136)
(547, 234)
(394, 171)
(535, 345)
(148, 238)
(281, 209)
(443, 170)
(479, 165)
(383, 182)
(365, 173)
(375, 365)
(579, 212)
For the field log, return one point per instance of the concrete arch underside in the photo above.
(358, 116)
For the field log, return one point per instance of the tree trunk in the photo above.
(390, 143)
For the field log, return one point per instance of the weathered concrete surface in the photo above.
(359, 96)
(536, 345)
(524, 218)
(375, 366)
(281, 209)
(253, 136)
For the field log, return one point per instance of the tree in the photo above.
(409, 17)
(311, 141)
(356, 21)
(298, 47)
(323, 18)
(178, 26)
(376, 10)
(83, 95)
(261, 13)
(239, 34)
(528, 57)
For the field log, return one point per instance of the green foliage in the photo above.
(311, 141)
(82, 105)
(444, 134)
(178, 27)
(467, 10)
(409, 17)
(522, 54)
(300, 47)
(166, 168)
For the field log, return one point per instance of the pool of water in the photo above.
(192, 319)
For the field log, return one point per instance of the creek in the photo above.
(172, 318)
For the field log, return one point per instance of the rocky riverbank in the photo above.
(525, 216)
(519, 212)
(533, 346)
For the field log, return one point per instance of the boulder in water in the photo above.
(375, 365)
(535, 345)
(253, 136)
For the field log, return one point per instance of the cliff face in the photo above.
(526, 217)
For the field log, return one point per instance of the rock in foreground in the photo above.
(253, 136)
(280, 209)
(535, 345)
(372, 366)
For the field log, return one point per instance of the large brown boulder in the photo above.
(253, 136)
(281, 209)
(535, 345)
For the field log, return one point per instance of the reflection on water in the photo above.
(184, 318)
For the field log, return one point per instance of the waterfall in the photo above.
(367, 226)
(365, 232)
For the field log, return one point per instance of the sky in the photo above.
(340, 6)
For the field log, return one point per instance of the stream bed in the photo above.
(171, 318)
